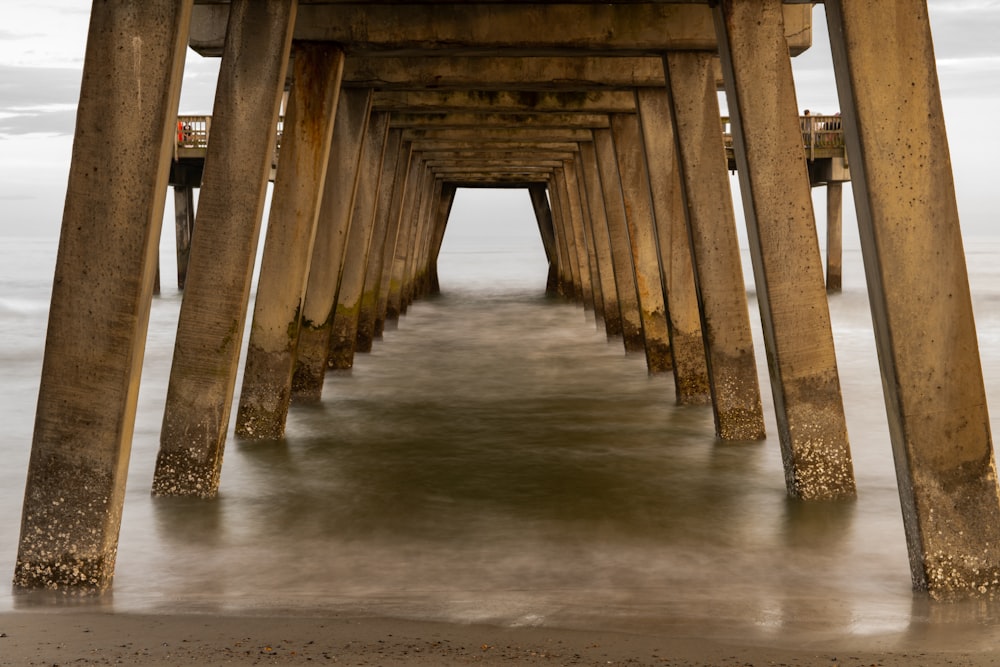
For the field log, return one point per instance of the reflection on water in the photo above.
(496, 459)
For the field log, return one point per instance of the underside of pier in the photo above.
(606, 114)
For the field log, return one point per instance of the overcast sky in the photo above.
(41, 55)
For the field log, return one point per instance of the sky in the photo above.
(41, 56)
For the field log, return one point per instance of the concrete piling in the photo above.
(919, 292)
(288, 246)
(725, 325)
(312, 352)
(777, 203)
(210, 328)
(101, 296)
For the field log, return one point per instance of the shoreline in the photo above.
(78, 637)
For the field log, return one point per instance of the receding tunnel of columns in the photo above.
(634, 212)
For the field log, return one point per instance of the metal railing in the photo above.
(822, 136)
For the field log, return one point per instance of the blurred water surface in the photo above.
(497, 459)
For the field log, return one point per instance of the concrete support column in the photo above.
(715, 251)
(602, 242)
(574, 290)
(588, 239)
(560, 226)
(834, 236)
(788, 268)
(184, 228)
(384, 234)
(420, 217)
(344, 332)
(579, 240)
(214, 310)
(432, 200)
(101, 295)
(313, 347)
(543, 215)
(687, 345)
(442, 214)
(642, 239)
(919, 293)
(405, 240)
(621, 248)
(396, 236)
(288, 246)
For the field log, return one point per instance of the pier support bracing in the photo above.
(383, 235)
(919, 292)
(834, 236)
(634, 177)
(543, 216)
(101, 295)
(312, 350)
(214, 310)
(395, 236)
(344, 330)
(588, 236)
(288, 246)
(621, 249)
(687, 346)
(715, 250)
(183, 229)
(602, 243)
(788, 271)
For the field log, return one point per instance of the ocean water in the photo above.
(496, 459)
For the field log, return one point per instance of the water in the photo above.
(496, 459)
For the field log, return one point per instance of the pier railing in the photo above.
(822, 136)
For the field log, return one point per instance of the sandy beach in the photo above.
(88, 638)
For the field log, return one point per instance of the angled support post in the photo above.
(634, 176)
(101, 295)
(602, 242)
(214, 311)
(344, 331)
(686, 343)
(543, 216)
(715, 251)
(788, 268)
(919, 292)
(313, 348)
(621, 249)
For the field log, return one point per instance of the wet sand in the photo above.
(96, 638)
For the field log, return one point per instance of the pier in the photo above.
(607, 116)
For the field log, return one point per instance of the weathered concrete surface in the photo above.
(404, 242)
(543, 216)
(588, 239)
(384, 233)
(788, 268)
(344, 331)
(214, 310)
(396, 235)
(621, 249)
(442, 215)
(183, 228)
(634, 177)
(687, 346)
(569, 275)
(101, 296)
(571, 190)
(503, 73)
(715, 248)
(507, 101)
(919, 292)
(509, 29)
(834, 237)
(288, 246)
(602, 243)
(313, 348)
